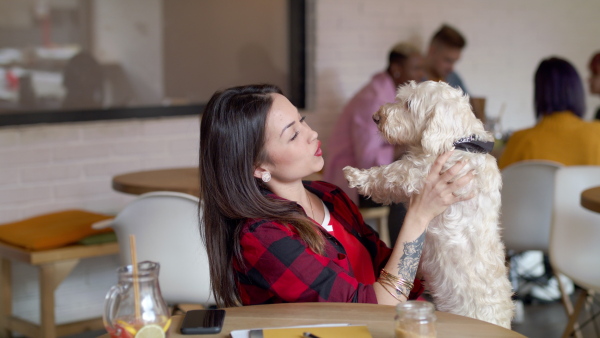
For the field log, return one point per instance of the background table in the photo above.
(378, 318)
(183, 180)
(54, 265)
(590, 199)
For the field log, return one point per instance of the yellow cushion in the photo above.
(52, 230)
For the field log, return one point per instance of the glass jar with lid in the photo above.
(415, 319)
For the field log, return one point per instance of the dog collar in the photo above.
(472, 145)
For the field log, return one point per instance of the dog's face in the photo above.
(430, 114)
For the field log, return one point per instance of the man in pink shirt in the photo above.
(355, 140)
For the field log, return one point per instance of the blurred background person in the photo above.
(83, 80)
(444, 51)
(356, 141)
(595, 79)
(560, 135)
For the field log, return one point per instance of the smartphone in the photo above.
(202, 321)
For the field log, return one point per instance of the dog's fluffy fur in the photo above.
(463, 256)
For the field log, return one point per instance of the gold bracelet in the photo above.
(396, 287)
(388, 283)
(396, 280)
(391, 294)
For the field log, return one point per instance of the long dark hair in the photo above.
(232, 138)
(558, 87)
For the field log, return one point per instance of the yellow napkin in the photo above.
(354, 331)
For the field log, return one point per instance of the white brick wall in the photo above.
(44, 168)
(72, 164)
(49, 167)
(506, 41)
(79, 297)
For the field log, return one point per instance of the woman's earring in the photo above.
(266, 176)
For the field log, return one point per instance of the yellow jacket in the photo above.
(562, 137)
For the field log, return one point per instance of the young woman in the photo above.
(560, 134)
(273, 238)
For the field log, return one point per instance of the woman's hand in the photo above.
(438, 190)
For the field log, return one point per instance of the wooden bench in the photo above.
(54, 266)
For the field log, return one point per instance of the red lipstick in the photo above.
(319, 152)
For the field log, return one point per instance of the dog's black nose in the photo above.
(376, 118)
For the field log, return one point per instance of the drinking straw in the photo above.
(136, 286)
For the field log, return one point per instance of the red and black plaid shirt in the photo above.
(279, 267)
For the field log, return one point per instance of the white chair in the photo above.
(165, 225)
(527, 199)
(575, 236)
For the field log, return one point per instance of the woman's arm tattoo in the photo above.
(409, 262)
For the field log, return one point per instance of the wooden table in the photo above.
(183, 180)
(590, 199)
(54, 266)
(378, 318)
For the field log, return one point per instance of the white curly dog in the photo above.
(463, 257)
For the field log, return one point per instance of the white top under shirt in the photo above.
(326, 219)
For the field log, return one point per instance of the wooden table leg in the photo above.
(5, 297)
(51, 275)
(568, 306)
(572, 325)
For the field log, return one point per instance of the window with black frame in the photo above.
(77, 60)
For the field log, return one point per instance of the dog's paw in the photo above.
(356, 177)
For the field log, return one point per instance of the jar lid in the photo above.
(415, 309)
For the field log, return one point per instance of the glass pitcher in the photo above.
(153, 318)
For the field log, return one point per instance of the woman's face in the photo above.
(595, 83)
(293, 148)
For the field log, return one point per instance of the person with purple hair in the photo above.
(560, 135)
(595, 79)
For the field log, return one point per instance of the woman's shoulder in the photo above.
(255, 225)
(264, 233)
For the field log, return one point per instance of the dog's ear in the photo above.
(450, 118)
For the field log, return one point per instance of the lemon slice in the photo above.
(167, 325)
(127, 326)
(150, 331)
